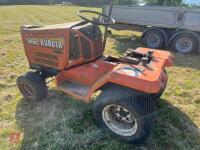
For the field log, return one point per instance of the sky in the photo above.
(196, 2)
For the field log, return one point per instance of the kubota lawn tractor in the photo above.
(73, 54)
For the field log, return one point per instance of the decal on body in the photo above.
(47, 42)
(130, 71)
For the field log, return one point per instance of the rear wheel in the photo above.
(32, 86)
(127, 114)
(185, 43)
(153, 39)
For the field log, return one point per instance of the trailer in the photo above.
(165, 27)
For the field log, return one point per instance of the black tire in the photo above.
(185, 43)
(154, 39)
(156, 96)
(140, 105)
(32, 86)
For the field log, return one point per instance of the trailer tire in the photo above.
(32, 86)
(153, 39)
(117, 101)
(185, 43)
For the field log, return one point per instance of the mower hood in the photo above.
(49, 27)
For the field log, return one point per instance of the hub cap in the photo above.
(120, 120)
(184, 45)
(153, 40)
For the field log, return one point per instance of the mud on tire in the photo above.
(138, 106)
(32, 86)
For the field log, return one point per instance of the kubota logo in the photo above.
(47, 42)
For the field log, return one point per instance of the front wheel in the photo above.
(127, 114)
(32, 86)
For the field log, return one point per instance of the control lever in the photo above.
(144, 61)
(150, 53)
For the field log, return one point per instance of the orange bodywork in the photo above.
(82, 69)
(100, 72)
(49, 46)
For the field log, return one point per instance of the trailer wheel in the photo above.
(32, 86)
(127, 114)
(185, 43)
(153, 39)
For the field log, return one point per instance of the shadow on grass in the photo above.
(60, 122)
(187, 60)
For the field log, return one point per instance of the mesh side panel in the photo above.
(74, 47)
(86, 48)
(46, 55)
(97, 47)
(46, 59)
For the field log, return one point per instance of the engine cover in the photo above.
(61, 46)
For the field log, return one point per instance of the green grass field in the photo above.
(60, 122)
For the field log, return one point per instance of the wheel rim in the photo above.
(119, 120)
(184, 45)
(27, 90)
(153, 40)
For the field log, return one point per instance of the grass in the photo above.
(60, 122)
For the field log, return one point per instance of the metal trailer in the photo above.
(177, 28)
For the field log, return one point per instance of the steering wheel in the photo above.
(101, 20)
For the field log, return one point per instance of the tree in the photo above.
(125, 2)
(79, 2)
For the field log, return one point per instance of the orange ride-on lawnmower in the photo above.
(73, 53)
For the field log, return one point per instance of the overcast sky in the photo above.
(196, 2)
